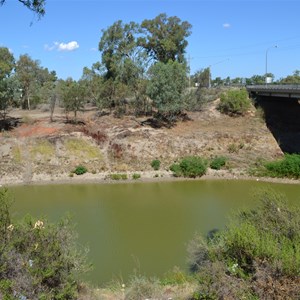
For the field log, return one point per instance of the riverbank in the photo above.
(145, 176)
(38, 151)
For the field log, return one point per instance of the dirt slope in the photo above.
(40, 150)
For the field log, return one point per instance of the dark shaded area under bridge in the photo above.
(282, 113)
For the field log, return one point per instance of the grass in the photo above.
(17, 155)
(42, 147)
(83, 149)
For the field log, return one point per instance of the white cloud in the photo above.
(71, 46)
(226, 25)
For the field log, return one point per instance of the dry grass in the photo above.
(82, 148)
(43, 148)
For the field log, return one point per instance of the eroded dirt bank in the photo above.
(42, 151)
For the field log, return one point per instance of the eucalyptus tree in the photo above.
(165, 38)
(37, 6)
(72, 95)
(126, 62)
(166, 88)
(7, 64)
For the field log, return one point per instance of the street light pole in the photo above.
(267, 62)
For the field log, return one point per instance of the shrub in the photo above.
(234, 102)
(259, 250)
(190, 166)
(118, 176)
(136, 176)
(38, 260)
(155, 164)
(218, 162)
(79, 170)
(289, 166)
(141, 287)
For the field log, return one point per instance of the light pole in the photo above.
(267, 62)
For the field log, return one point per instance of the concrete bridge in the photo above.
(272, 90)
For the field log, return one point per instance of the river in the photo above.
(141, 227)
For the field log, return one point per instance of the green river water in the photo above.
(141, 227)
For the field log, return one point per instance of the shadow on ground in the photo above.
(9, 123)
(282, 116)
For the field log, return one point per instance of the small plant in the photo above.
(136, 176)
(190, 166)
(233, 148)
(155, 164)
(80, 170)
(118, 176)
(218, 162)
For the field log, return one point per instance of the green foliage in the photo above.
(80, 170)
(165, 38)
(38, 259)
(218, 162)
(190, 166)
(37, 6)
(72, 94)
(289, 166)
(136, 176)
(118, 176)
(155, 164)
(234, 102)
(166, 87)
(256, 244)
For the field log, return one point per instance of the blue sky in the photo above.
(230, 36)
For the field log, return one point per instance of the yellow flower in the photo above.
(10, 227)
(39, 224)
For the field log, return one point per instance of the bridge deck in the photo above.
(272, 90)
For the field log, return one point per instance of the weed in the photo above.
(218, 162)
(136, 176)
(80, 170)
(155, 164)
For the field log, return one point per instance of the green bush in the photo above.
(136, 176)
(234, 102)
(38, 260)
(289, 166)
(256, 244)
(155, 164)
(218, 162)
(190, 166)
(80, 170)
(118, 176)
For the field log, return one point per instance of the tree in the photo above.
(292, 79)
(166, 88)
(36, 82)
(37, 6)
(7, 64)
(72, 96)
(117, 44)
(165, 38)
(202, 78)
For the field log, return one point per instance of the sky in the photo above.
(233, 38)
